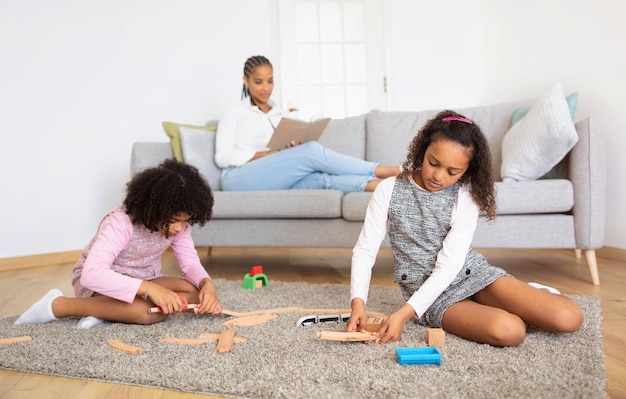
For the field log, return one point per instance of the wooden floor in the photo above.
(559, 268)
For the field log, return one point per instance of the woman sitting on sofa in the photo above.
(248, 164)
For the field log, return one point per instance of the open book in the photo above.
(299, 132)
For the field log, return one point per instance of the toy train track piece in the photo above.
(346, 336)
(252, 320)
(225, 341)
(13, 340)
(201, 339)
(120, 345)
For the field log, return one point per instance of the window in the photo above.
(331, 57)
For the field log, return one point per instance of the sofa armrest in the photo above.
(145, 155)
(587, 171)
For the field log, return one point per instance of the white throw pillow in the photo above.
(534, 145)
(198, 149)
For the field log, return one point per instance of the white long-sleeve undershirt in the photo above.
(450, 259)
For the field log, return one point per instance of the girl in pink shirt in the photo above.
(118, 276)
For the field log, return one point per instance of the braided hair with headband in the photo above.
(251, 64)
(450, 126)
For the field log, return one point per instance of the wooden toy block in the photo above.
(425, 355)
(187, 341)
(215, 337)
(345, 336)
(188, 307)
(435, 336)
(252, 320)
(225, 341)
(13, 340)
(120, 345)
(202, 339)
(373, 324)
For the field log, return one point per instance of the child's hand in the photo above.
(166, 299)
(209, 303)
(391, 330)
(358, 317)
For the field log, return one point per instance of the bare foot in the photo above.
(371, 185)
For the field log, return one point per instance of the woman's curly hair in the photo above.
(479, 175)
(155, 195)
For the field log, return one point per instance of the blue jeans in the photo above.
(306, 166)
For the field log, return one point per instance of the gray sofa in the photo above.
(566, 210)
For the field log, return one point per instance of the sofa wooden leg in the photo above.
(578, 253)
(592, 264)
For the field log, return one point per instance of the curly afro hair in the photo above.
(155, 195)
(479, 175)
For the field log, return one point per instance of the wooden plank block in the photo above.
(225, 341)
(202, 339)
(346, 336)
(253, 320)
(256, 312)
(215, 337)
(13, 340)
(120, 345)
(186, 341)
(157, 309)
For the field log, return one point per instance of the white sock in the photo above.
(87, 322)
(41, 311)
(545, 287)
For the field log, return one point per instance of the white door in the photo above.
(331, 57)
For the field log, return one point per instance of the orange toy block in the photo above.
(435, 336)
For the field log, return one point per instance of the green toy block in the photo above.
(250, 282)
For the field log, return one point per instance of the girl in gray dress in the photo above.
(430, 212)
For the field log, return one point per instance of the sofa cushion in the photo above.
(354, 205)
(535, 196)
(389, 133)
(572, 104)
(540, 140)
(198, 147)
(513, 198)
(173, 132)
(147, 155)
(277, 204)
(345, 136)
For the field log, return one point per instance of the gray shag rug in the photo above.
(282, 360)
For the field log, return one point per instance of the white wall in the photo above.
(455, 53)
(81, 81)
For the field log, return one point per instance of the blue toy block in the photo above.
(426, 355)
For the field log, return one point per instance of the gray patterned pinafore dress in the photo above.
(419, 221)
